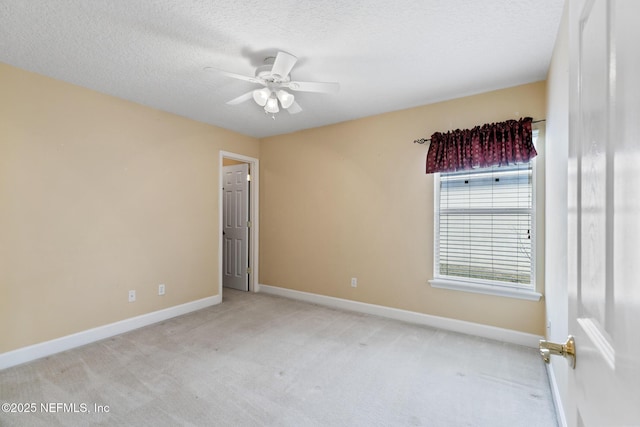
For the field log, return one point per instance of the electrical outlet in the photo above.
(161, 289)
(354, 282)
(132, 296)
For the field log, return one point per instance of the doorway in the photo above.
(238, 222)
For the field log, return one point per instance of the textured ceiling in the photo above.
(387, 55)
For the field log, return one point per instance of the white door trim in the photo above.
(254, 215)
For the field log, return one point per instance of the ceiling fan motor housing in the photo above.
(264, 72)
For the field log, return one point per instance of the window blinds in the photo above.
(484, 227)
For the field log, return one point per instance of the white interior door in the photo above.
(604, 213)
(235, 230)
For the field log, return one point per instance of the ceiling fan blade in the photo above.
(235, 76)
(283, 64)
(321, 87)
(242, 98)
(294, 108)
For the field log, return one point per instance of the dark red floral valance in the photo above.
(495, 144)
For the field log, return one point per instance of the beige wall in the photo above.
(231, 162)
(100, 196)
(352, 200)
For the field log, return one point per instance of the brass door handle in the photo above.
(566, 350)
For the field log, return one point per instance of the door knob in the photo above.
(566, 350)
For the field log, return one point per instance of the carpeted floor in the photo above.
(259, 360)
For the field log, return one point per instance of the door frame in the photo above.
(254, 215)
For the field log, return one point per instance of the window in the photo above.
(485, 231)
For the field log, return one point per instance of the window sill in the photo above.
(501, 291)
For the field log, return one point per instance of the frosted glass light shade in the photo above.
(261, 96)
(286, 99)
(272, 105)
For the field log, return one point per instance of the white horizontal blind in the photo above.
(484, 227)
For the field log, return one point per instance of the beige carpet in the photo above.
(259, 360)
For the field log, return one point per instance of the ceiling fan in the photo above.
(275, 78)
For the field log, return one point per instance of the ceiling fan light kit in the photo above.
(269, 98)
(275, 77)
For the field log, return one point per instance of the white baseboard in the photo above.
(469, 328)
(47, 348)
(557, 398)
